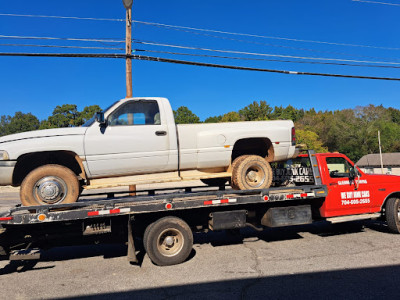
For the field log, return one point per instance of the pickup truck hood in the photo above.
(43, 133)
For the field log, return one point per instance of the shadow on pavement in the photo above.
(366, 283)
(216, 239)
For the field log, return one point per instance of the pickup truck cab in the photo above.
(136, 141)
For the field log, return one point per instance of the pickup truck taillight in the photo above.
(293, 137)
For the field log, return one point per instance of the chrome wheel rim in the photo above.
(50, 190)
(255, 176)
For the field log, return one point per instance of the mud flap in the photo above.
(131, 255)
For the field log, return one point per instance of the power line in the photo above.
(59, 46)
(212, 30)
(262, 54)
(62, 17)
(197, 55)
(196, 48)
(270, 60)
(268, 44)
(63, 39)
(193, 63)
(263, 36)
(376, 2)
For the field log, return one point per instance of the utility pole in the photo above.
(128, 51)
(128, 47)
(380, 150)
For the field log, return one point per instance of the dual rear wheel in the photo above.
(251, 172)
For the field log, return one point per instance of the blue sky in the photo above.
(37, 85)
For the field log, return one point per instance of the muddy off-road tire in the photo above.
(215, 181)
(168, 241)
(251, 172)
(235, 163)
(392, 211)
(49, 184)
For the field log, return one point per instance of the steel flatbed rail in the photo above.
(131, 205)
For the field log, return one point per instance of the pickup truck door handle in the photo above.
(161, 133)
(333, 184)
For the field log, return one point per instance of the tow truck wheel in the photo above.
(49, 184)
(251, 172)
(168, 241)
(392, 211)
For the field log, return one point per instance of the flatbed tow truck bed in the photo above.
(163, 220)
(26, 230)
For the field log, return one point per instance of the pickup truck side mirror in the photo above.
(99, 117)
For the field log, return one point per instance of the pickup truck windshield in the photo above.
(92, 120)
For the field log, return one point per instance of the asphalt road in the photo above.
(314, 261)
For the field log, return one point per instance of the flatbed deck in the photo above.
(152, 202)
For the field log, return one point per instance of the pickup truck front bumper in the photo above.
(6, 171)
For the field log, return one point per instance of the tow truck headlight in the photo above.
(4, 155)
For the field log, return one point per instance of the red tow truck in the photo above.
(312, 187)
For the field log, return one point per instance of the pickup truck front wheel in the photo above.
(251, 172)
(49, 184)
(392, 212)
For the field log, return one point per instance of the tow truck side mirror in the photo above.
(353, 173)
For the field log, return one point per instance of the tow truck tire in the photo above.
(168, 241)
(215, 181)
(49, 184)
(392, 211)
(251, 172)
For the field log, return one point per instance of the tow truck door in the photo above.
(346, 196)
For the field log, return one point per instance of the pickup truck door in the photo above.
(345, 196)
(133, 142)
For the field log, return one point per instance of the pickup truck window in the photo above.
(338, 167)
(136, 113)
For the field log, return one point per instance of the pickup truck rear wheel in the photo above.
(392, 212)
(49, 184)
(168, 241)
(251, 172)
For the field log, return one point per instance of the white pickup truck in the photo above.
(136, 141)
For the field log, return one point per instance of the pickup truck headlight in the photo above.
(4, 155)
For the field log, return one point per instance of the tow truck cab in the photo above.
(350, 190)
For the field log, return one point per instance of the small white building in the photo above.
(371, 163)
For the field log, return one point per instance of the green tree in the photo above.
(20, 122)
(63, 116)
(256, 111)
(4, 122)
(214, 119)
(311, 140)
(287, 113)
(395, 114)
(231, 117)
(185, 116)
(87, 113)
